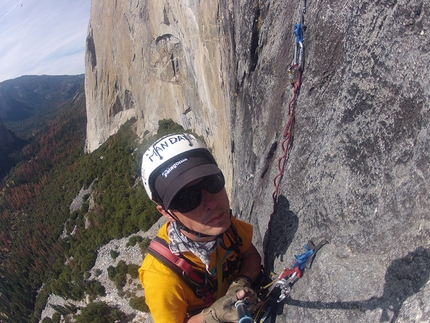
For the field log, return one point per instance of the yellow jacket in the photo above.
(169, 298)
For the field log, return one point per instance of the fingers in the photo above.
(240, 294)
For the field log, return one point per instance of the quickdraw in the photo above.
(277, 290)
(295, 76)
(294, 72)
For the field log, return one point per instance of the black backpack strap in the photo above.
(159, 249)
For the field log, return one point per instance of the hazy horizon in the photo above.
(44, 37)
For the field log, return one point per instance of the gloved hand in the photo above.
(223, 310)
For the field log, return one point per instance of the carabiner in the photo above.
(297, 64)
(299, 46)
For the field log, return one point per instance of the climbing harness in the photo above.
(159, 249)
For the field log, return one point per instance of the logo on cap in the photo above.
(169, 169)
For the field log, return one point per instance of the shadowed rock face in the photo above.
(358, 170)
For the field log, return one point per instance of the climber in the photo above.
(180, 174)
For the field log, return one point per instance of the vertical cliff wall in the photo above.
(154, 60)
(358, 171)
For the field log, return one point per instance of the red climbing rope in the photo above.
(286, 145)
(295, 75)
(287, 135)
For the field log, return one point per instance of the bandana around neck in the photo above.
(180, 243)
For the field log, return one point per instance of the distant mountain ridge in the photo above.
(31, 95)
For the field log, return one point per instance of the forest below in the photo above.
(44, 246)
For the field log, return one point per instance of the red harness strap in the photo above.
(160, 250)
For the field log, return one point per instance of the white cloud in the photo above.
(42, 37)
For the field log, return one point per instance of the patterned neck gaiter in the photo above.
(180, 243)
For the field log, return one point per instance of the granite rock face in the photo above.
(153, 60)
(358, 171)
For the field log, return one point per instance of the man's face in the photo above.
(211, 216)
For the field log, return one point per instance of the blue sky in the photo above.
(42, 37)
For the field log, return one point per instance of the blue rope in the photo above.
(301, 260)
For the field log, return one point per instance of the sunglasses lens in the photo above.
(214, 183)
(187, 200)
(191, 197)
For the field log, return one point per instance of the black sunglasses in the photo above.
(189, 198)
